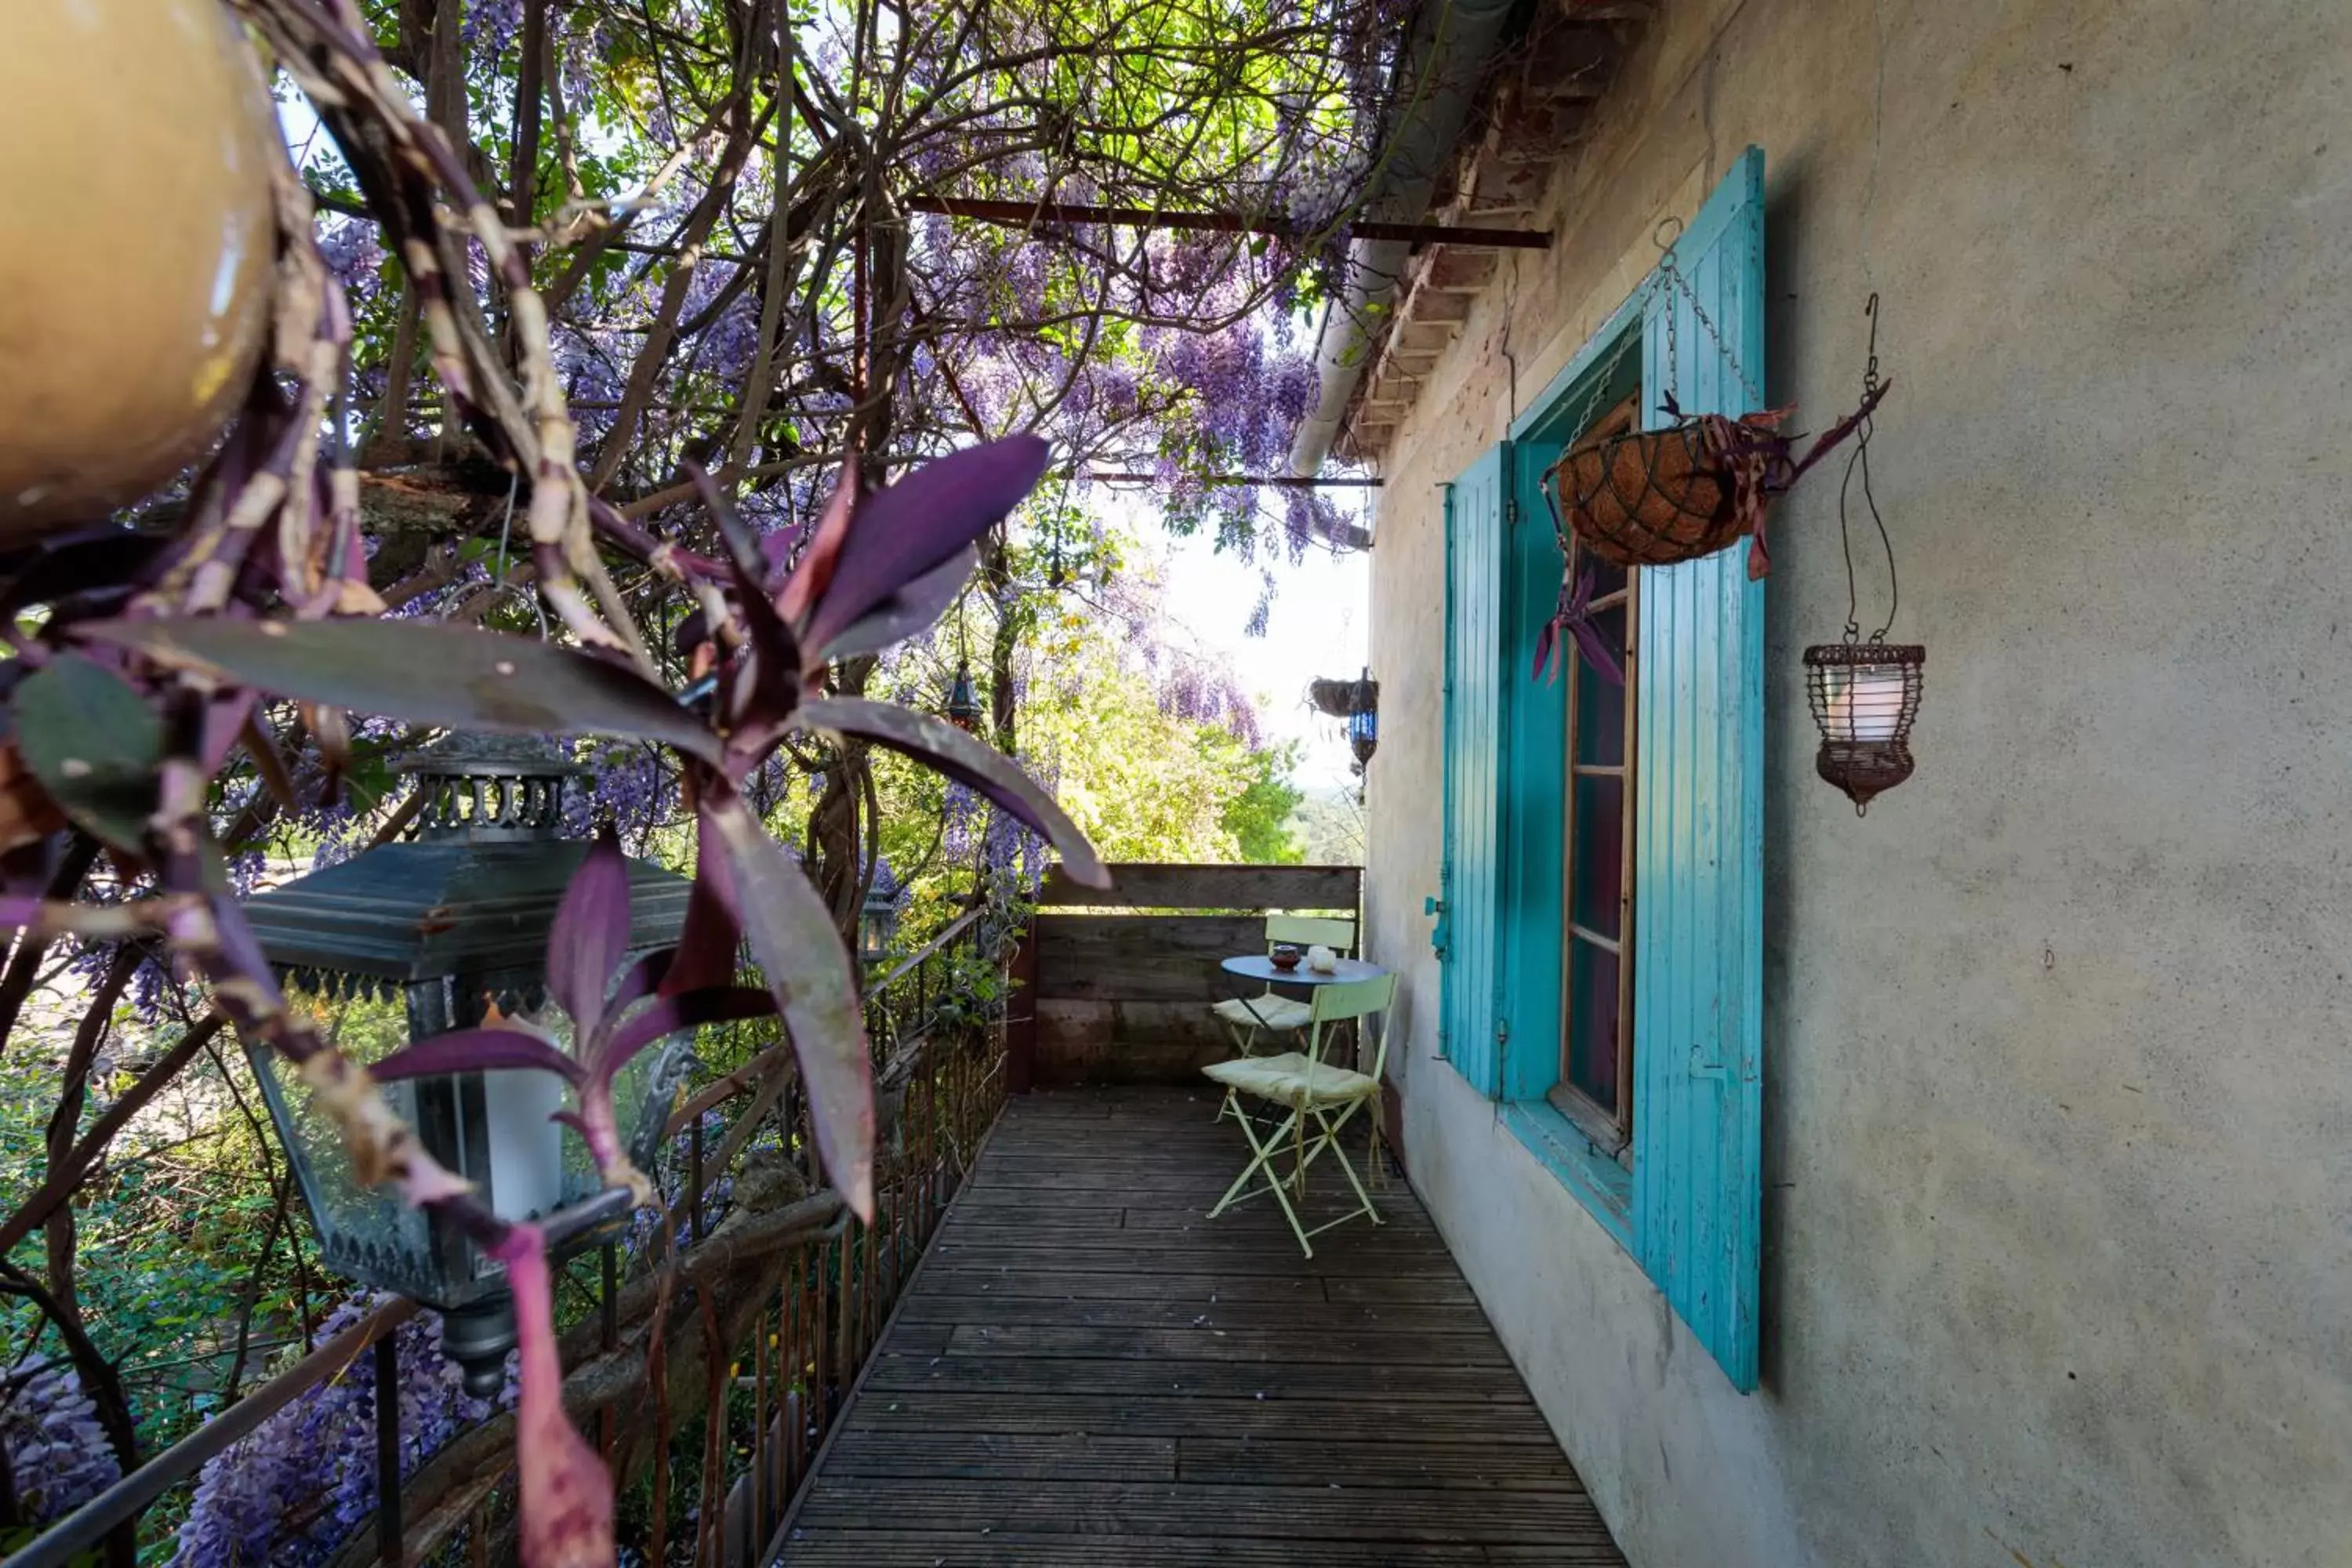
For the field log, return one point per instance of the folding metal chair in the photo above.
(1246, 1019)
(1321, 1098)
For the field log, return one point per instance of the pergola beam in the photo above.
(1283, 480)
(1025, 214)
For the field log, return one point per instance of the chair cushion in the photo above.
(1291, 1079)
(1268, 1012)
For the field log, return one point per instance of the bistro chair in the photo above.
(1321, 1097)
(1247, 1018)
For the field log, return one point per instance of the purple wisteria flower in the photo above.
(290, 1491)
(58, 1457)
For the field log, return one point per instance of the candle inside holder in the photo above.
(1864, 703)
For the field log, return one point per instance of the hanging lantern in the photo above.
(1864, 696)
(964, 702)
(877, 919)
(415, 939)
(1864, 692)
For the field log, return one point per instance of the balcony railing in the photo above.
(764, 1325)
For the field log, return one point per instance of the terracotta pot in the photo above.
(136, 140)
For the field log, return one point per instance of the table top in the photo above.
(1258, 966)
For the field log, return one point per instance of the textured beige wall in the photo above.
(2058, 1076)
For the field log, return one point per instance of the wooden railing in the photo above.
(776, 1305)
(1123, 981)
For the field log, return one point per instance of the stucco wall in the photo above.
(2058, 1075)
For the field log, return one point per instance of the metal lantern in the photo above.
(877, 917)
(964, 702)
(1864, 696)
(1357, 702)
(415, 938)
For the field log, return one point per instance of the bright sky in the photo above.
(1320, 628)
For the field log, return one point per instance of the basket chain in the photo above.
(1669, 232)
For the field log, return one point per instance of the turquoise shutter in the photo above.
(1699, 829)
(1474, 675)
(1533, 737)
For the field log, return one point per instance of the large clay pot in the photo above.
(137, 255)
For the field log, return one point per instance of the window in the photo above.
(1600, 898)
(1595, 1087)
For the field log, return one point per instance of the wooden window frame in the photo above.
(1611, 1132)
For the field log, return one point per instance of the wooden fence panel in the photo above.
(1124, 997)
(1143, 886)
(1141, 958)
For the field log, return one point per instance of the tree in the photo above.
(1259, 818)
(600, 363)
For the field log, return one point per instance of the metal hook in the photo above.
(1668, 231)
(1870, 371)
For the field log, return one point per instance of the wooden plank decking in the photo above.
(1087, 1373)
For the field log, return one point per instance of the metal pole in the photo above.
(388, 1451)
(1282, 481)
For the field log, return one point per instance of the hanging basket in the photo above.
(1344, 699)
(1648, 497)
(1658, 497)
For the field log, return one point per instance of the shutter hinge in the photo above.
(1502, 1031)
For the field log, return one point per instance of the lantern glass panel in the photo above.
(491, 1128)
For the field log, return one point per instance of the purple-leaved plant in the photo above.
(617, 1008)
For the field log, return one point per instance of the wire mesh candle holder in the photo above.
(1864, 691)
(1864, 696)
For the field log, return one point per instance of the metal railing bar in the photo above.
(88, 1524)
(953, 929)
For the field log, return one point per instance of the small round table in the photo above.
(1258, 966)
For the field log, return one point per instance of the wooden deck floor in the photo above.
(1087, 1373)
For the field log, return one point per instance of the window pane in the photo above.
(1599, 701)
(1592, 1022)
(1597, 854)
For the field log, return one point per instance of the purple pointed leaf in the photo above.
(940, 745)
(639, 978)
(460, 676)
(712, 935)
(777, 546)
(668, 1014)
(767, 685)
(814, 568)
(1596, 652)
(901, 532)
(791, 935)
(590, 937)
(909, 611)
(566, 1491)
(489, 1049)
